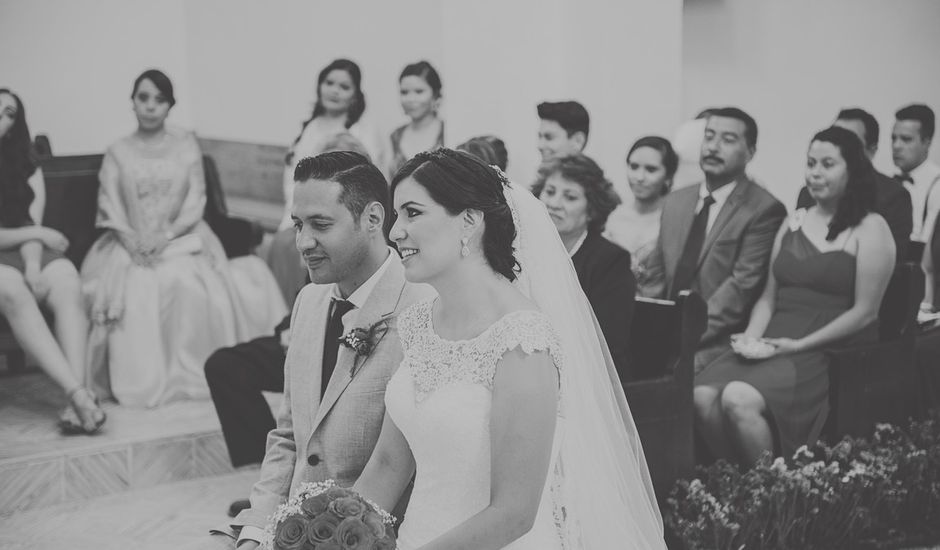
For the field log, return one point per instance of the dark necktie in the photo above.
(334, 331)
(685, 269)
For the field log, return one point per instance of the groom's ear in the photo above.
(373, 217)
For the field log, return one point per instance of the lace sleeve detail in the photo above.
(410, 323)
(528, 330)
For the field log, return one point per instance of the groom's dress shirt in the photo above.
(357, 299)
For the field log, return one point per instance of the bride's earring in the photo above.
(464, 249)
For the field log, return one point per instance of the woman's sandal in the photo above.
(84, 416)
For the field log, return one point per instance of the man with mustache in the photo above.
(716, 237)
(333, 406)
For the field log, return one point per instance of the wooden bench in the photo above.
(878, 382)
(663, 341)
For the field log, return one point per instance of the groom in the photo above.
(333, 403)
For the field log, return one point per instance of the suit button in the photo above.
(313, 460)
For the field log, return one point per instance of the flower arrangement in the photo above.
(362, 340)
(858, 493)
(325, 516)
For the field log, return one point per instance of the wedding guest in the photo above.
(339, 108)
(420, 90)
(489, 149)
(285, 262)
(910, 146)
(830, 272)
(563, 129)
(331, 416)
(163, 294)
(928, 342)
(579, 198)
(715, 238)
(687, 143)
(892, 201)
(651, 165)
(33, 271)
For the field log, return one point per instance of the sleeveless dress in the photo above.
(813, 288)
(399, 158)
(441, 398)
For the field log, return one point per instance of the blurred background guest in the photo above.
(162, 292)
(489, 149)
(892, 201)
(688, 144)
(420, 90)
(829, 274)
(579, 199)
(910, 146)
(563, 129)
(33, 271)
(339, 108)
(634, 225)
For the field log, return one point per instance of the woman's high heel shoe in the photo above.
(84, 416)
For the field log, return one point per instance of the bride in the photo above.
(506, 402)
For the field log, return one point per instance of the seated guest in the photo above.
(339, 108)
(910, 146)
(563, 129)
(892, 201)
(163, 295)
(489, 149)
(33, 271)
(420, 91)
(715, 238)
(285, 262)
(830, 271)
(579, 198)
(651, 165)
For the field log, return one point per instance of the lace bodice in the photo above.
(436, 362)
(441, 401)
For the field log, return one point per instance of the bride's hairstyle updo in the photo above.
(459, 181)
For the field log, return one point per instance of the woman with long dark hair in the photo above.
(420, 88)
(831, 264)
(33, 271)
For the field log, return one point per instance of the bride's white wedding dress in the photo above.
(440, 398)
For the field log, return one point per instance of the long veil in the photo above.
(605, 485)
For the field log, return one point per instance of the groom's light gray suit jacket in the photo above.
(332, 439)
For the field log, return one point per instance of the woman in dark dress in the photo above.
(831, 264)
(579, 199)
(33, 271)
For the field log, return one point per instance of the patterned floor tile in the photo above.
(97, 474)
(30, 485)
(163, 461)
(210, 456)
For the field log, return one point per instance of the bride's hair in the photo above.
(459, 181)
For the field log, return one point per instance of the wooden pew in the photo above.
(878, 382)
(663, 341)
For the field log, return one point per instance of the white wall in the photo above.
(246, 70)
(793, 64)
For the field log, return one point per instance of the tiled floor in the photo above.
(176, 515)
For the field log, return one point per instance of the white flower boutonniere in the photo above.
(363, 340)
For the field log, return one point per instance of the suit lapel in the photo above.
(724, 216)
(685, 213)
(307, 338)
(379, 306)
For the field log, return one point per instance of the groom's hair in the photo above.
(362, 182)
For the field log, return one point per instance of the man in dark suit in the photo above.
(892, 200)
(716, 237)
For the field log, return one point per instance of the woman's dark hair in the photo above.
(17, 164)
(490, 149)
(160, 80)
(665, 150)
(581, 169)
(426, 72)
(356, 109)
(859, 197)
(459, 181)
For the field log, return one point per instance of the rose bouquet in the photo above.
(325, 516)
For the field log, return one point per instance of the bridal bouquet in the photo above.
(325, 516)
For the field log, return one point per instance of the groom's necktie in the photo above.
(688, 261)
(334, 331)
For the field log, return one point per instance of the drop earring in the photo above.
(464, 249)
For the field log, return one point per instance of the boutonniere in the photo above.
(363, 340)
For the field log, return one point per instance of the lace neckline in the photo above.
(482, 335)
